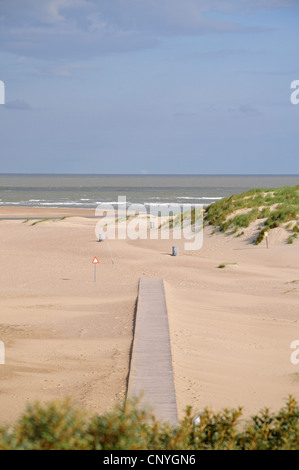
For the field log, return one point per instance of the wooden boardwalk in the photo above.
(151, 370)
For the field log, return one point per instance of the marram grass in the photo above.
(272, 207)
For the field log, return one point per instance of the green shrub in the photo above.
(260, 237)
(240, 234)
(291, 238)
(59, 426)
(267, 431)
(52, 426)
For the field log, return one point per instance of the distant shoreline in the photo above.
(96, 175)
(36, 213)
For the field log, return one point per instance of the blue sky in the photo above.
(149, 86)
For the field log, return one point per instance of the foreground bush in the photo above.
(60, 426)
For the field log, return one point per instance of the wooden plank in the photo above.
(151, 372)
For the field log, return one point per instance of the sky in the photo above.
(149, 86)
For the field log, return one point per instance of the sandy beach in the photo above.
(67, 336)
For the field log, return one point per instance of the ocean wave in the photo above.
(89, 203)
(61, 204)
(166, 204)
(20, 203)
(113, 203)
(204, 198)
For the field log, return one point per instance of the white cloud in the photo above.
(18, 105)
(56, 8)
(64, 71)
(87, 28)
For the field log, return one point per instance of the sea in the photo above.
(88, 191)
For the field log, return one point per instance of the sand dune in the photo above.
(65, 335)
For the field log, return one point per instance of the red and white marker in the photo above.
(95, 262)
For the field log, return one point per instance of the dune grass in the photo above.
(47, 220)
(39, 221)
(223, 265)
(273, 207)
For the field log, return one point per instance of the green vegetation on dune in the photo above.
(47, 220)
(273, 207)
(59, 426)
(39, 221)
(223, 265)
(182, 219)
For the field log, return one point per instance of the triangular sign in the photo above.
(95, 261)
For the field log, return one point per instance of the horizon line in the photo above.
(150, 174)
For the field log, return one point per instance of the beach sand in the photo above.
(68, 336)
